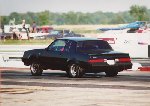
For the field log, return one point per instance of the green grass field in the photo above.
(25, 42)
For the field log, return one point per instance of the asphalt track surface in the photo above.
(54, 88)
(61, 76)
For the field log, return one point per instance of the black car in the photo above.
(77, 56)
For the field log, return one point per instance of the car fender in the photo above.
(73, 60)
(81, 63)
(32, 57)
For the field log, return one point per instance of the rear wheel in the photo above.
(75, 71)
(111, 73)
(36, 69)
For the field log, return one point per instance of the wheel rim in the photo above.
(73, 70)
(34, 68)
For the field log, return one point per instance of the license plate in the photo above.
(111, 62)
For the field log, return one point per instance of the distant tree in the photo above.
(31, 17)
(48, 18)
(16, 16)
(71, 18)
(4, 20)
(43, 18)
(138, 12)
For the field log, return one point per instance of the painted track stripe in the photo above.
(12, 68)
(147, 68)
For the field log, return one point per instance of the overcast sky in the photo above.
(23, 6)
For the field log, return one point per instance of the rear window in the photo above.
(92, 45)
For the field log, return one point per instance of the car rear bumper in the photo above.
(106, 67)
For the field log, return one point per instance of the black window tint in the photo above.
(73, 46)
(93, 45)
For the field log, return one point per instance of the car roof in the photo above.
(78, 38)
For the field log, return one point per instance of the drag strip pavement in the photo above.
(56, 78)
(129, 88)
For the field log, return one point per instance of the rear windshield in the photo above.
(92, 45)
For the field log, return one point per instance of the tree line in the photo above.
(136, 13)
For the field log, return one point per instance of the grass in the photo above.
(25, 42)
(81, 29)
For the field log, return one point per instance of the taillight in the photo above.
(96, 60)
(124, 60)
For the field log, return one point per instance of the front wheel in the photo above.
(75, 71)
(36, 69)
(111, 73)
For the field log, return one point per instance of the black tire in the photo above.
(36, 69)
(75, 71)
(111, 73)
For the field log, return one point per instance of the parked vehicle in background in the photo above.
(77, 56)
(17, 32)
(72, 34)
(54, 34)
(44, 29)
(40, 37)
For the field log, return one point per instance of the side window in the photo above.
(73, 46)
(58, 45)
(68, 46)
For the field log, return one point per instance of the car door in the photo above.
(63, 54)
(55, 55)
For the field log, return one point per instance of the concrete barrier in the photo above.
(136, 44)
(136, 66)
(149, 51)
(1, 61)
(5, 61)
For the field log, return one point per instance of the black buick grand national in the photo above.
(77, 56)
